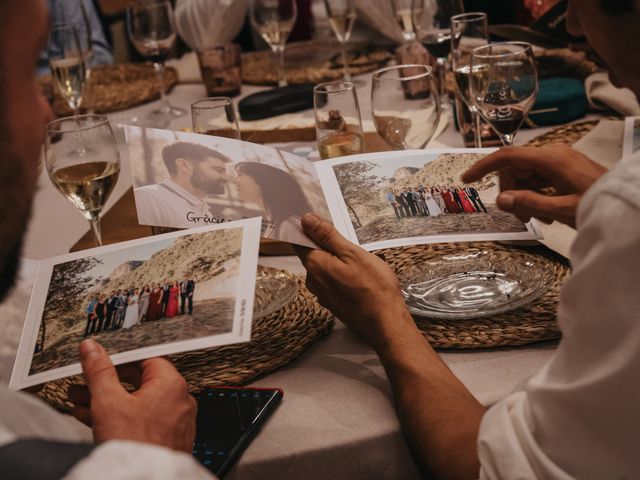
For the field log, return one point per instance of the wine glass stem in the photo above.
(345, 62)
(507, 140)
(96, 230)
(442, 71)
(477, 129)
(282, 78)
(164, 103)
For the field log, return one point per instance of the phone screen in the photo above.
(227, 421)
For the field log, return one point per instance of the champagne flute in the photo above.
(68, 66)
(468, 31)
(342, 16)
(432, 22)
(402, 10)
(405, 105)
(83, 162)
(338, 120)
(152, 31)
(274, 20)
(504, 85)
(215, 116)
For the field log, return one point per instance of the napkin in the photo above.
(603, 94)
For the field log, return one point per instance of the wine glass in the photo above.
(68, 66)
(338, 120)
(83, 162)
(405, 105)
(432, 22)
(274, 20)
(152, 31)
(504, 85)
(402, 10)
(342, 16)
(468, 31)
(215, 116)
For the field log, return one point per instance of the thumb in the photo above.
(99, 373)
(526, 204)
(325, 235)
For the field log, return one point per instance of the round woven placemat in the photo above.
(568, 134)
(114, 87)
(531, 323)
(276, 339)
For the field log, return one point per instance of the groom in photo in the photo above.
(195, 172)
(187, 288)
(166, 289)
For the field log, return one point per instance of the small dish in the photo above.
(274, 290)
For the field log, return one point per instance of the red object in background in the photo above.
(303, 29)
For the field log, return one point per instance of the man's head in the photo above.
(610, 26)
(24, 113)
(197, 166)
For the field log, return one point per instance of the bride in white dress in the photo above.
(131, 315)
(432, 205)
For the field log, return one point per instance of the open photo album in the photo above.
(378, 200)
(166, 294)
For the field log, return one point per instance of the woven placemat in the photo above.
(276, 339)
(568, 134)
(114, 87)
(531, 323)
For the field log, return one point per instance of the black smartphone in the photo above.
(228, 419)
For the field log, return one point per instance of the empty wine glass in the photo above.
(68, 66)
(274, 20)
(404, 17)
(504, 85)
(215, 116)
(342, 16)
(405, 105)
(151, 28)
(338, 120)
(432, 22)
(83, 162)
(468, 31)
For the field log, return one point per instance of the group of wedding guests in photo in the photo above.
(434, 201)
(124, 308)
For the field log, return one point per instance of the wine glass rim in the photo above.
(215, 101)
(337, 86)
(469, 16)
(74, 121)
(477, 52)
(428, 72)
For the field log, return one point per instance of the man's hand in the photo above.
(159, 412)
(524, 171)
(358, 287)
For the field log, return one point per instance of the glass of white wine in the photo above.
(68, 65)
(342, 16)
(402, 10)
(274, 20)
(151, 28)
(405, 105)
(215, 116)
(338, 120)
(468, 31)
(504, 85)
(83, 162)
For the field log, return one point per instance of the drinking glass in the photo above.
(83, 162)
(504, 85)
(274, 20)
(405, 105)
(402, 10)
(151, 28)
(338, 120)
(468, 31)
(342, 16)
(215, 116)
(432, 22)
(68, 66)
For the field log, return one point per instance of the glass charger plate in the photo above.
(476, 283)
(274, 290)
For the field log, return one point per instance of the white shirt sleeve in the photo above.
(579, 416)
(205, 23)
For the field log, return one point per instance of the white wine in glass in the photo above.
(68, 65)
(402, 10)
(342, 16)
(83, 162)
(274, 21)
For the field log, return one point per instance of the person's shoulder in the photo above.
(622, 181)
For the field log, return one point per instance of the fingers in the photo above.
(130, 373)
(526, 204)
(99, 372)
(79, 395)
(325, 235)
(519, 157)
(159, 369)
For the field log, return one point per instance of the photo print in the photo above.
(157, 296)
(185, 180)
(631, 136)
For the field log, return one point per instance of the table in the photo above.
(337, 418)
